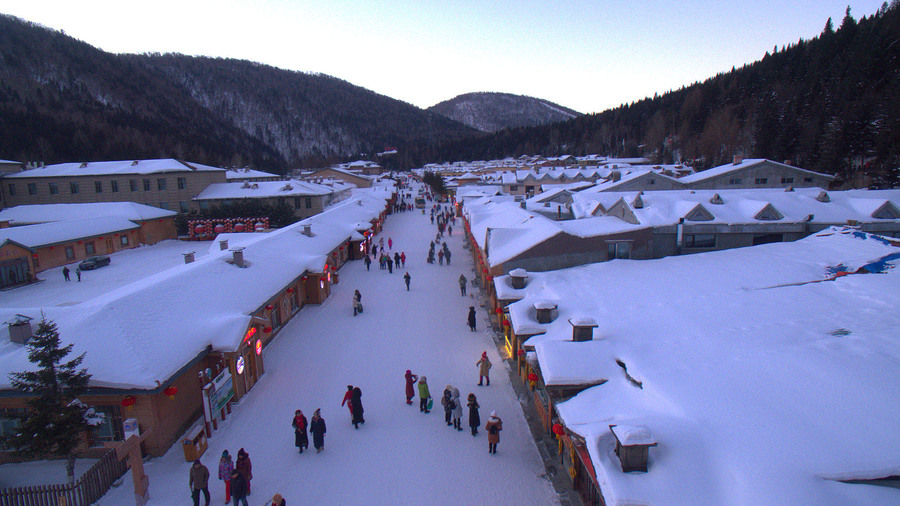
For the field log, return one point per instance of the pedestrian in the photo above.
(462, 284)
(226, 467)
(390, 264)
(447, 254)
(493, 428)
(449, 229)
(440, 257)
(424, 396)
(199, 482)
(78, 273)
(317, 427)
(299, 424)
(472, 318)
(456, 410)
(484, 368)
(357, 408)
(390, 243)
(66, 273)
(277, 500)
(240, 488)
(357, 304)
(396, 260)
(403, 259)
(406, 277)
(374, 250)
(410, 379)
(348, 399)
(245, 467)
(474, 419)
(367, 261)
(446, 399)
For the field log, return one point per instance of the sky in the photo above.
(586, 55)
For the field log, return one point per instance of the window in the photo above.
(73, 188)
(787, 180)
(297, 203)
(308, 202)
(183, 206)
(111, 428)
(652, 181)
(114, 186)
(161, 183)
(700, 241)
(32, 188)
(276, 316)
(146, 185)
(761, 180)
(204, 205)
(618, 250)
(12, 189)
(70, 253)
(9, 422)
(98, 186)
(766, 238)
(54, 188)
(513, 187)
(133, 184)
(163, 205)
(807, 180)
(182, 183)
(124, 240)
(734, 180)
(89, 249)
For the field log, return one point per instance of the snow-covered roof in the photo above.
(113, 167)
(262, 189)
(247, 174)
(45, 213)
(751, 364)
(743, 164)
(46, 234)
(160, 324)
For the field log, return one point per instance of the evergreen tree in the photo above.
(55, 419)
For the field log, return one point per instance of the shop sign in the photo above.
(239, 365)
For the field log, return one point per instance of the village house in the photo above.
(357, 179)
(305, 198)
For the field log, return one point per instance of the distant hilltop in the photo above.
(490, 112)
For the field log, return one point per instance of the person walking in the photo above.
(357, 304)
(245, 467)
(424, 396)
(301, 441)
(239, 488)
(471, 318)
(199, 482)
(484, 369)
(396, 259)
(474, 418)
(440, 257)
(367, 261)
(447, 254)
(493, 428)
(410, 391)
(390, 264)
(226, 467)
(445, 402)
(390, 243)
(407, 278)
(348, 399)
(317, 427)
(462, 284)
(456, 410)
(357, 410)
(66, 273)
(78, 273)
(403, 259)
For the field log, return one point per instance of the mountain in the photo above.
(830, 104)
(490, 112)
(64, 100)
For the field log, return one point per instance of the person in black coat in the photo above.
(317, 428)
(474, 418)
(472, 318)
(356, 402)
(238, 488)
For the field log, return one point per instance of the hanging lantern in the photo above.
(532, 377)
(199, 229)
(499, 310)
(267, 330)
(268, 307)
(505, 322)
(170, 391)
(484, 271)
(129, 401)
(521, 352)
(239, 227)
(489, 278)
(219, 228)
(290, 290)
(558, 429)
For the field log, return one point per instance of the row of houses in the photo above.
(146, 342)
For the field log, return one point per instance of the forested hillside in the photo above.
(490, 112)
(831, 104)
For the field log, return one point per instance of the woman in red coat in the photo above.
(348, 400)
(410, 391)
(299, 424)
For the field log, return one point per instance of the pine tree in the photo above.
(55, 419)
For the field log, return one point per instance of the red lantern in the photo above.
(506, 322)
(170, 391)
(290, 290)
(532, 376)
(484, 271)
(521, 353)
(199, 229)
(558, 429)
(239, 227)
(219, 228)
(129, 401)
(269, 307)
(499, 310)
(267, 330)
(489, 278)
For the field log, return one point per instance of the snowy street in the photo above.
(399, 456)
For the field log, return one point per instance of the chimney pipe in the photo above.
(188, 257)
(238, 256)
(223, 245)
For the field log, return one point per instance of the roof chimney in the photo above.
(307, 230)
(582, 328)
(517, 278)
(544, 310)
(20, 329)
(188, 257)
(223, 244)
(738, 159)
(237, 257)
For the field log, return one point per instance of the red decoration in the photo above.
(267, 330)
(499, 310)
(506, 322)
(219, 228)
(290, 290)
(304, 278)
(170, 391)
(521, 353)
(532, 376)
(558, 429)
(269, 307)
(129, 401)
(484, 271)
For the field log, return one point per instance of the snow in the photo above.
(762, 377)
(629, 435)
(44, 234)
(399, 456)
(113, 167)
(45, 213)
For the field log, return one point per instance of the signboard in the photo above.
(220, 392)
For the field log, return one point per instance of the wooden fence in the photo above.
(87, 490)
